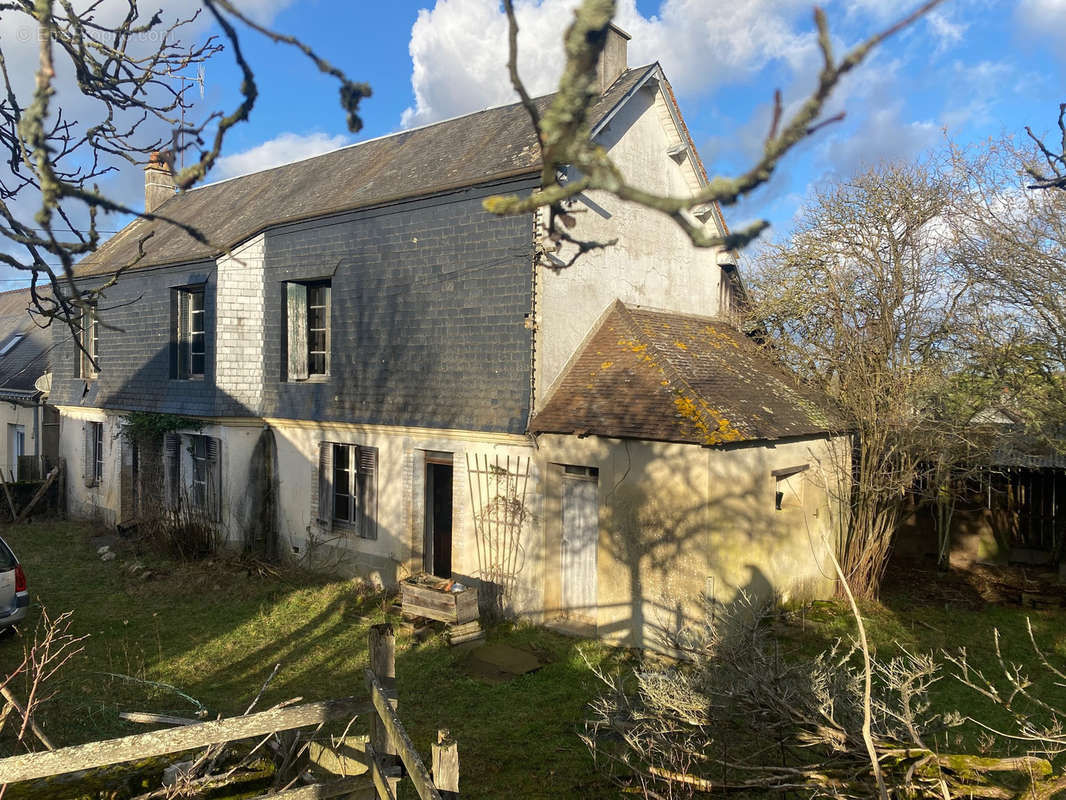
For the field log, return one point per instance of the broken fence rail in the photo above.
(390, 754)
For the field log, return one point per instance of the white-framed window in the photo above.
(192, 473)
(93, 470)
(345, 488)
(789, 484)
(307, 326)
(190, 333)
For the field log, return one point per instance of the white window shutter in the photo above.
(214, 479)
(172, 469)
(324, 511)
(89, 465)
(296, 314)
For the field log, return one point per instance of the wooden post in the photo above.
(382, 643)
(446, 766)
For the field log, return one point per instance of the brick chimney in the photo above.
(158, 180)
(613, 60)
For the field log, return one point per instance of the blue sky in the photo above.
(970, 70)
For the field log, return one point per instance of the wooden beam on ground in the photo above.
(319, 791)
(156, 743)
(416, 770)
(39, 494)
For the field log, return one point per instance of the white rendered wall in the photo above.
(652, 264)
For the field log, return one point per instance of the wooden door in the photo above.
(579, 540)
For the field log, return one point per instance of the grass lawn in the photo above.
(214, 630)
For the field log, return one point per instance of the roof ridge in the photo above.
(403, 132)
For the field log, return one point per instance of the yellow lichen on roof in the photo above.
(694, 411)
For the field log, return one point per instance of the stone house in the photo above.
(388, 379)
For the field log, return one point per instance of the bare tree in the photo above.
(1054, 175)
(1013, 244)
(867, 303)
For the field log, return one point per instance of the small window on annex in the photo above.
(189, 333)
(788, 487)
(307, 316)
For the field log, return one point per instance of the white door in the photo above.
(580, 534)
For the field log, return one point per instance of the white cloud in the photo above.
(281, 149)
(459, 47)
(1044, 18)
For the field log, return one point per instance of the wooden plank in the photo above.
(430, 597)
(446, 765)
(381, 641)
(382, 783)
(156, 743)
(428, 613)
(398, 737)
(39, 494)
(466, 607)
(319, 791)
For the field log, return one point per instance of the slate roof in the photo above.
(24, 363)
(655, 375)
(477, 148)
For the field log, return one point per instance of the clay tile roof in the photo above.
(477, 148)
(662, 376)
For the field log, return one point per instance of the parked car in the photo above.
(14, 599)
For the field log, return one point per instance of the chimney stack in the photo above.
(613, 60)
(158, 180)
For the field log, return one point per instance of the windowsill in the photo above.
(188, 378)
(311, 379)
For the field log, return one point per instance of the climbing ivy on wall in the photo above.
(143, 426)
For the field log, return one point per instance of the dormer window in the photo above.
(10, 343)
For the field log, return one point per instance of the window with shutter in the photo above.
(307, 328)
(89, 357)
(352, 492)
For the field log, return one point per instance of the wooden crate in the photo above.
(421, 600)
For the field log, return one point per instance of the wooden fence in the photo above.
(390, 755)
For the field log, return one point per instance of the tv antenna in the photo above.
(179, 134)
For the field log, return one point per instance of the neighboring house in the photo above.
(28, 427)
(389, 379)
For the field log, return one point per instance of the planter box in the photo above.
(420, 599)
